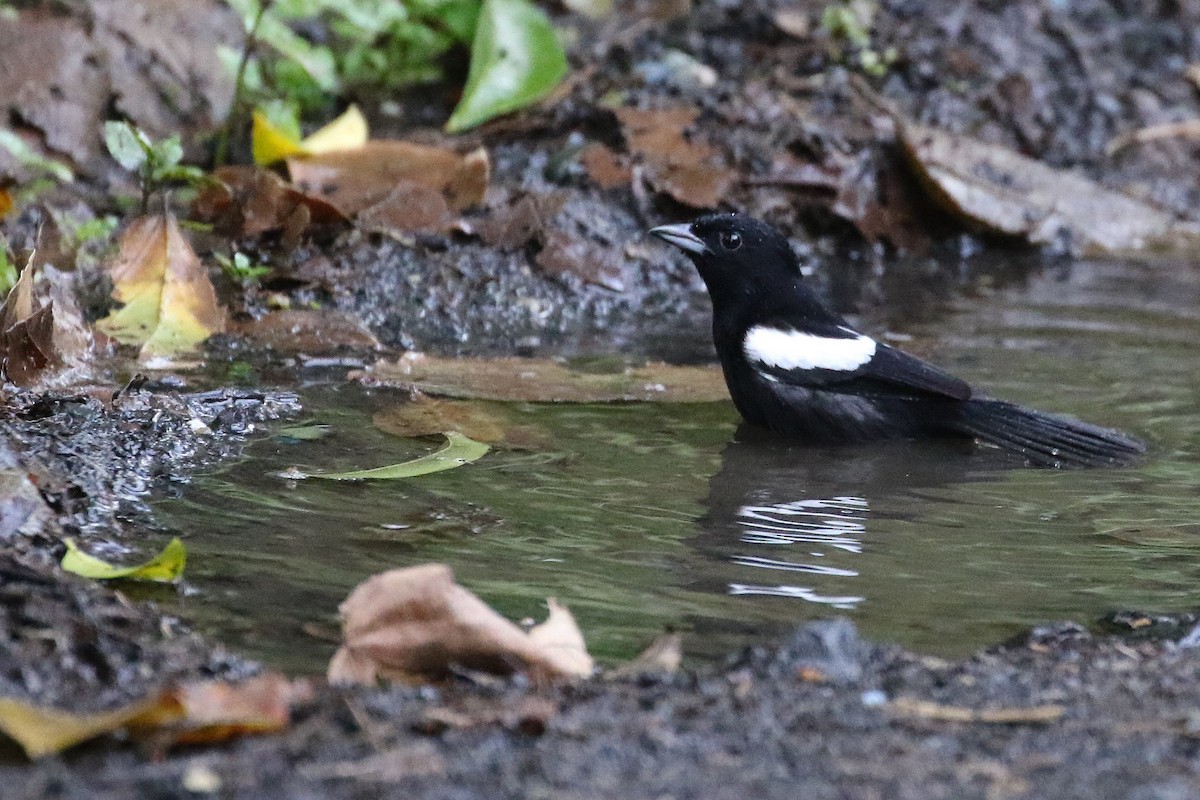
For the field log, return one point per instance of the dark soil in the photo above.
(823, 716)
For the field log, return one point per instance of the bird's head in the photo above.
(735, 253)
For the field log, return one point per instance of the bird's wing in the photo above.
(839, 359)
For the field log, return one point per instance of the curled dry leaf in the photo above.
(170, 304)
(1007, 193)
(417, 623)
(664, 655)
(251, 201)
(545, 381)
(394, 185)
(690, 171)
(26, 333)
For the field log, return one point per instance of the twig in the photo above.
(239, 86)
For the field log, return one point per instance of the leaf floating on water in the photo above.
(165, 567)
(417, 623)
(1010, 194)
(459, 450)
(170, 304)
(516, 60)
(546, 381)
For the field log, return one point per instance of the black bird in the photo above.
(795, 367)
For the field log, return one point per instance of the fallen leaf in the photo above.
(166, 567)
(564, 254)
(529, 715)
(250, 201)
(26, 332)
(689, 171)
(925, 709)
(270, 143)
(408, 208)
(459, 450)
(481, 420)
(663, 656)
(516, 60)
(198, 712)
(546, 381)
(513, 223)
(170, 304)
(42, 731)
(214, 711)
(607, 169)
(64, 73)
(356, 180)
(310, 331)
(417, 623)
(1007, 193)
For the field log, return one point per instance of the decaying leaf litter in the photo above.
(662, 121)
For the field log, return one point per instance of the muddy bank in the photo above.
(1060, 713)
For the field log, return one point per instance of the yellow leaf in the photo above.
(42, 731)
(269, 143)
(163, 568)
(347, 132)
(6, 203)
(170, 304)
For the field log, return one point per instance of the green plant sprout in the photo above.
(240, 268)
(155, 163)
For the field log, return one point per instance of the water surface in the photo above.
(641, 517)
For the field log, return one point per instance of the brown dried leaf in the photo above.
(355, 180)
(607, 169)
(250, 201)
(1010, 194)
(545, 381)
(308, 331)
(417, 623)
(409, 208)
(513, 224)
(664, 655)
(566, 254)
(61, 69)
(26, 333)
(689, 171)
(214, 711)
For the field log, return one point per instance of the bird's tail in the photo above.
(1045, 439)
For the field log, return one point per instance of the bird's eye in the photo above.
(731, 240)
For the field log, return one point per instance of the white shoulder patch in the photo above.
(794, 350)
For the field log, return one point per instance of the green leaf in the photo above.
(163, 568)
(516, 60)
(124, 146)
(459, 450)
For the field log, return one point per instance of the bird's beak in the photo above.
(681, 236)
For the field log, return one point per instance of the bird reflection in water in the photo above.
(795, 519)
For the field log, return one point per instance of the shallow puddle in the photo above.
(641, 517)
